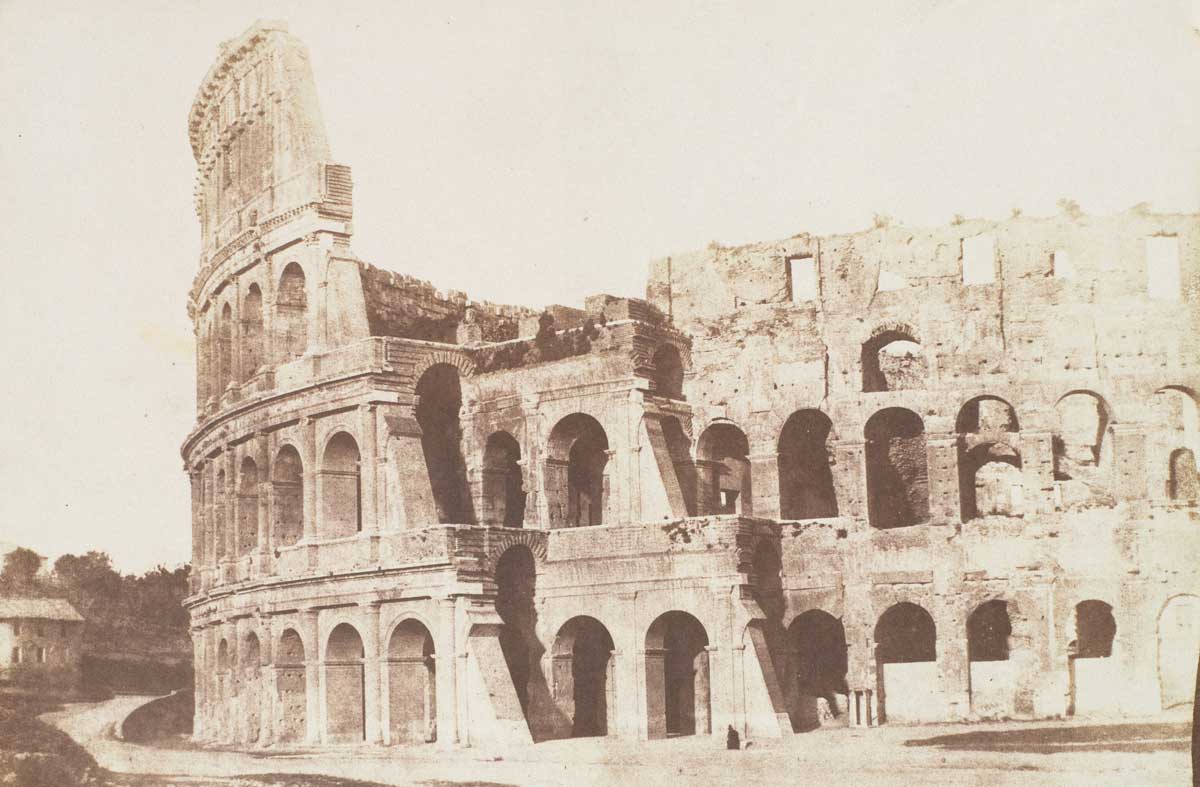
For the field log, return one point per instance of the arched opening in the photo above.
(1182, 481)
(287, 484)
(576, 480)
(224, 686)
(668, 372)
(989, 462)
(805, 474)
(906, 657)
(988, 630)
(412, 684)
(897, 469)
(291, 688)
(341, 487)
(439, 398)
(584, 686)
(220, 529)
(1173, 435)
(252, 332)
(1093, 672)
(503, 482)
(291, 314)
(1081, 454)
(818, 641)
(991, 680)
(206, 374)
(1095, 629)
(247, 507)
(893, 360)
(1178, 644)
(251, 688)
(205, 550)
(677, 677)
(987, 415)
(990, 481)
(723, 465)
(224, 350)
(516, 584)
(344, 689)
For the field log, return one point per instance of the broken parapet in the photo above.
(1068, 257)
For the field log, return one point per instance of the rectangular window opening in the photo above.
(1062, 265)
(802, 275)
(979, 259)
(1162, 267)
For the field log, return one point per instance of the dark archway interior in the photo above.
(725, 446)
(589, 645)
(805, 477)
(897, 469)
(904, 634)
(668, 372)
(586, 463)
(988, 630)
(503, 480)
(819, 640)
(439, 399)
(1095, 629)
(682, 642)
(516, 582)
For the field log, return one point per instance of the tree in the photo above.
(89, 581)
(20, 570)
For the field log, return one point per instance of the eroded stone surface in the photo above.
(824, 480)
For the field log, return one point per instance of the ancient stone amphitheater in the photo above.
(895, 476)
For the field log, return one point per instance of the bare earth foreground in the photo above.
(1153, 752)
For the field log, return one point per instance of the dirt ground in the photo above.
(1141, 754)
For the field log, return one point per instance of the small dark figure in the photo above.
(732, 739)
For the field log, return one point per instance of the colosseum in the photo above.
(894, 476)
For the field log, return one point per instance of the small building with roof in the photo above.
(39, 635)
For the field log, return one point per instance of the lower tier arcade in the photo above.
(691, 626)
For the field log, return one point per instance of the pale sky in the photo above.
(534, 154)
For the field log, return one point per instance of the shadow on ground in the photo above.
(1053, 740)
(274, 780)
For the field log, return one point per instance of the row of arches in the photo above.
(719, 480)
(581, 687)
(338, 476)
(233, 343)
(410, 682)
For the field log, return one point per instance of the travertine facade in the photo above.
(897, 475)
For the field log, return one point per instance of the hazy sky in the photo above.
(533, 153)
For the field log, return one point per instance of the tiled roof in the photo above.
(38, 608)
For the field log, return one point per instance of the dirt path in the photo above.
(1025, 754)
